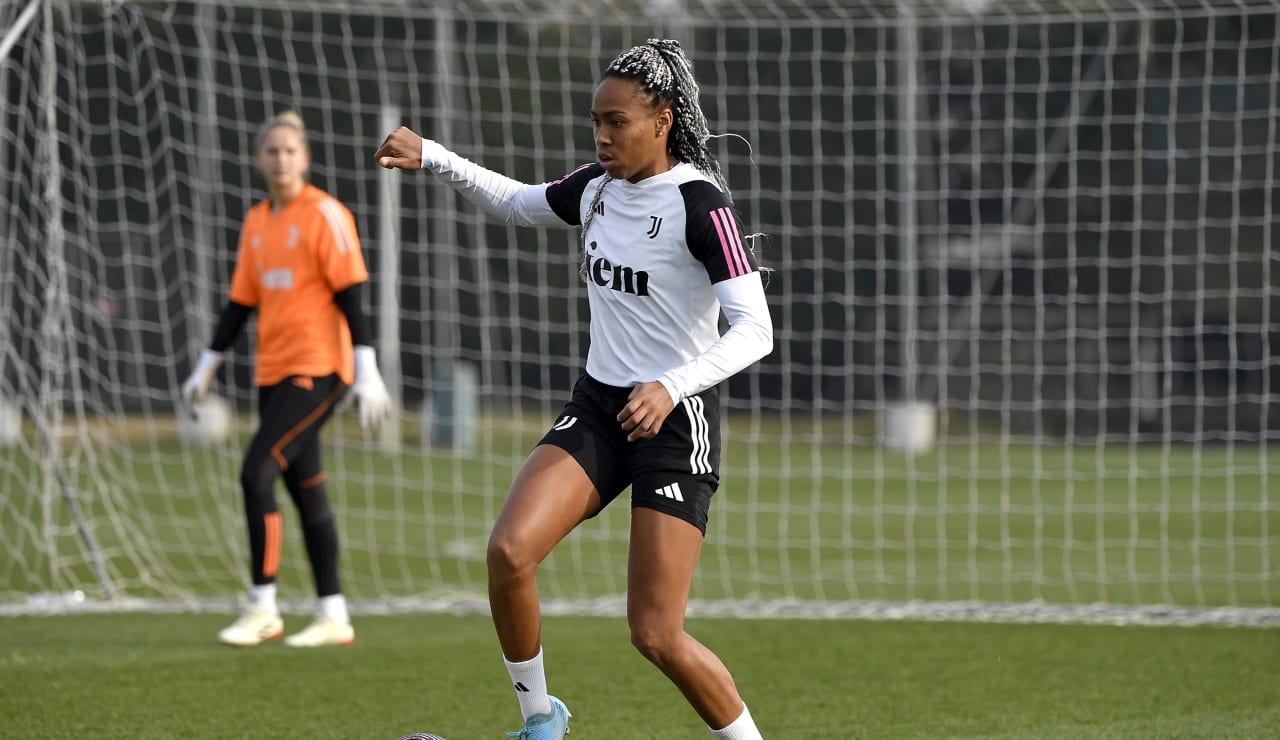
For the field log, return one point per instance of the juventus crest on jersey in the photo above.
(653, 250)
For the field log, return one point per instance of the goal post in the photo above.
(1021, 268)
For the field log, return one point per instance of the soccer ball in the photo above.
(422, 736)
(210, 425)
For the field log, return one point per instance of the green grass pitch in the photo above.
(164, 676)
(1117, 524)
(800, 516)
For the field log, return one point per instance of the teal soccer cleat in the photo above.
(553, 725)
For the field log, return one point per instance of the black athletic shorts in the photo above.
(290, 414)
(676, 472)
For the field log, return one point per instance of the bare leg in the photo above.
(549, 497)
(664, 552)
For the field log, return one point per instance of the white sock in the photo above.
(264, 597)
(530, 683)
(742, 728)
(334, 607)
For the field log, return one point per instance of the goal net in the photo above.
(1023, 283)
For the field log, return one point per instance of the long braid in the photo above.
(591, 216)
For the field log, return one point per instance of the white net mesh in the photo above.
(1023, 290)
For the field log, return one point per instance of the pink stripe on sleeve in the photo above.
(725, 246)
(737, 240)
(571, 174)
(730, 243)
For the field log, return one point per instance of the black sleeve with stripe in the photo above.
(714, 233)
(565, 195)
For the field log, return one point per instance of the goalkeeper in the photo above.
(662, 253)
(299, 265)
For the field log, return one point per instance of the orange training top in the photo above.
(288, 266)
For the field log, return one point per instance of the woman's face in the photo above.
(630, 133)
(283, 158)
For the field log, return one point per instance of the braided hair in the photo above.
(666, 76)
(665, 73)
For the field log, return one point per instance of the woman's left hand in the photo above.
(647, 407)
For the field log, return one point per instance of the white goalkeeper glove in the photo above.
(196, 387)
(370, 393)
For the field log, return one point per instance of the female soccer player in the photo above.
(300, 266)
(661, 253)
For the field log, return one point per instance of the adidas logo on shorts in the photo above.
(671, 491)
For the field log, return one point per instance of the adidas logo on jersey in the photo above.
(671, 491)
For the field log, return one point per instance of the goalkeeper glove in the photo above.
(370, 393)
(196, 387)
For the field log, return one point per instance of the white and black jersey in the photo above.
(653, 252)
(663, 257)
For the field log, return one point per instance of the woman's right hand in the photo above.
(402, 149)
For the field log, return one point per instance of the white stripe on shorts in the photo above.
(699, 459)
